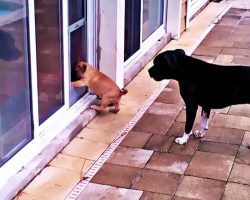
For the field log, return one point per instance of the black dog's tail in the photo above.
(124, 91)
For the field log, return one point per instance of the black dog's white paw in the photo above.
(183, 140)
(200, 133)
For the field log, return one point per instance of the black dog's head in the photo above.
(167, 65)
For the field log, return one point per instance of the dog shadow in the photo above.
(8, 50)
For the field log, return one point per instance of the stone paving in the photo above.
(148, 165)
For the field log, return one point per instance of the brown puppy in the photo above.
(101, 85)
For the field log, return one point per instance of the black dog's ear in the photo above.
(172, 58)
(180, 52)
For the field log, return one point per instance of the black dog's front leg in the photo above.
(205, 113)
(191, 110)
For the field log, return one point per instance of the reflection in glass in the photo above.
(49, 57)
(152, 16)
(16, 127)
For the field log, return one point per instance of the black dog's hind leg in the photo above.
(191, 110)
(205, 113)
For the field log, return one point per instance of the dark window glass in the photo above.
(76, 10)
(78, 51)
(78, 43)
(132, 27)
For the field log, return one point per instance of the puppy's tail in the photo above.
(124, 91)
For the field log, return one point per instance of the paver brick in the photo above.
(219, 148)
(240, 174)
(210, 165)
(236, 191)
(136, 139)
(200, 188)
(159, 182)
(243, 155)
(116, 175)
(133, 157)
(167, 162)
(160, 143)
(155, 196)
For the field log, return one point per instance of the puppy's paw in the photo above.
(200, 133)
(96, 108)
(183, 140)
(114, 110)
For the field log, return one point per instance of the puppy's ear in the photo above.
(82, 67)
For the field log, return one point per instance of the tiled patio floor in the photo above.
(148, 165)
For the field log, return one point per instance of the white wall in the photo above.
(111, 15)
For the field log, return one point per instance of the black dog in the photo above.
(202, 84)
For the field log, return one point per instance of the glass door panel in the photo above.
(132, 27)
(152, 16)
(16, 128)
(76, 10)
(49, 57)
(78, 43)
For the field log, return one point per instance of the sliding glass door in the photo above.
(16, 127)
(48, 19)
